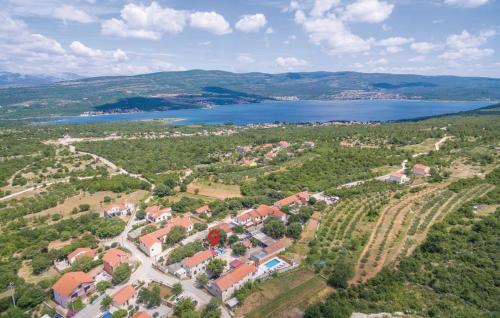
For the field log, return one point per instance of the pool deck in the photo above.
(262, 270)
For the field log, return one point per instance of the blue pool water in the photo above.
(272, 263)
(107, 315)
(292, 112)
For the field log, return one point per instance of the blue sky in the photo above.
(114, 37)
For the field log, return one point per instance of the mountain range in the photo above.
(9, 79)
(199, 88)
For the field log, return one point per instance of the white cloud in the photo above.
(333, 34)
(290, 63)
(82, 50)
(419, 58)
(26, 52)
(148, 22)
(322, 6)
(246, 59)
(269, 30)
(466, 47)
(423, 47)
(466, 3)
(211, 22)
(251, 23)
(394, 44)
(369, 11)
(70, 13)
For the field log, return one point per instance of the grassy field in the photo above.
(288, 293)
(215, 190)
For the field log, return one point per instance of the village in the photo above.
(169, 256)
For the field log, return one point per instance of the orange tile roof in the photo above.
(235, 276)
(397, 174)
(184, 221)
(141, 314)
(420, 166)
(154, 237)
(225, 227)
(276, 246)
(296, 198)
(156, 211)
(115, 257)
(80, 252)
(203, 209)
(198, 258)
(67, 284)
(124, 294)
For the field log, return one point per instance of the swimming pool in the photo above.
(107, 315)
(272, 263)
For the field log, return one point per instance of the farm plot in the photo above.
(404, 224)
(343, 229)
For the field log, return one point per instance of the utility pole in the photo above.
(13, 295)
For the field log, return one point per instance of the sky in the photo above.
(115, 37)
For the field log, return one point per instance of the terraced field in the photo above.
(343, 228)
(404, 224)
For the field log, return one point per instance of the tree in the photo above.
(177, 289)
(222, 237)
(232, 239)
(84, 207)
(162, 190)
(151, 297)
(216, 266)
(77, 305)
(202, 279)
(107, 199)
(341, 274)
(103, 285)
(212, 310)
(294, 230)
(120, 313)
(200, 226)
(31, 296)
(106, 302)
(239, 249)
(141, 214)
(274, 228)
(121, 273)
(176, 234)
(40, 263)
(185, 308)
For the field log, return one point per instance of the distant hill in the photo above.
(8, 79)
(197, 88)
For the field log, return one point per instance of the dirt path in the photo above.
(385, 231)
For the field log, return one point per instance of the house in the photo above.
(124, 297)
(113, 258)
(235, 263)
(155, 214)
(244, 149)
(398, 177)
(80, 252)
(270, 251)
(71, 286)
(293, 200)
(204, 210)
(197, 263)
(226, 227)
(421, 170)
(151, 243)
(141, 314)
(177, 270)
(119, 209)
(284, 144)
(256, 216)
(224, 287)
(309, 144)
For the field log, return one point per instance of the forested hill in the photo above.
(196, 88)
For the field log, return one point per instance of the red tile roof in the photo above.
(69, 282)
(115, 257)
(203, 209)
(141, 314)
(81, 252)
(154, 237)
(235, 263)
(124, 294)
(155, 211)
(234, 276)
(420, 166)
(225, 227)
(294, 199)
(198, 258)
(276, 246)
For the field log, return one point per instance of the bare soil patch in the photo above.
(215, 190)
